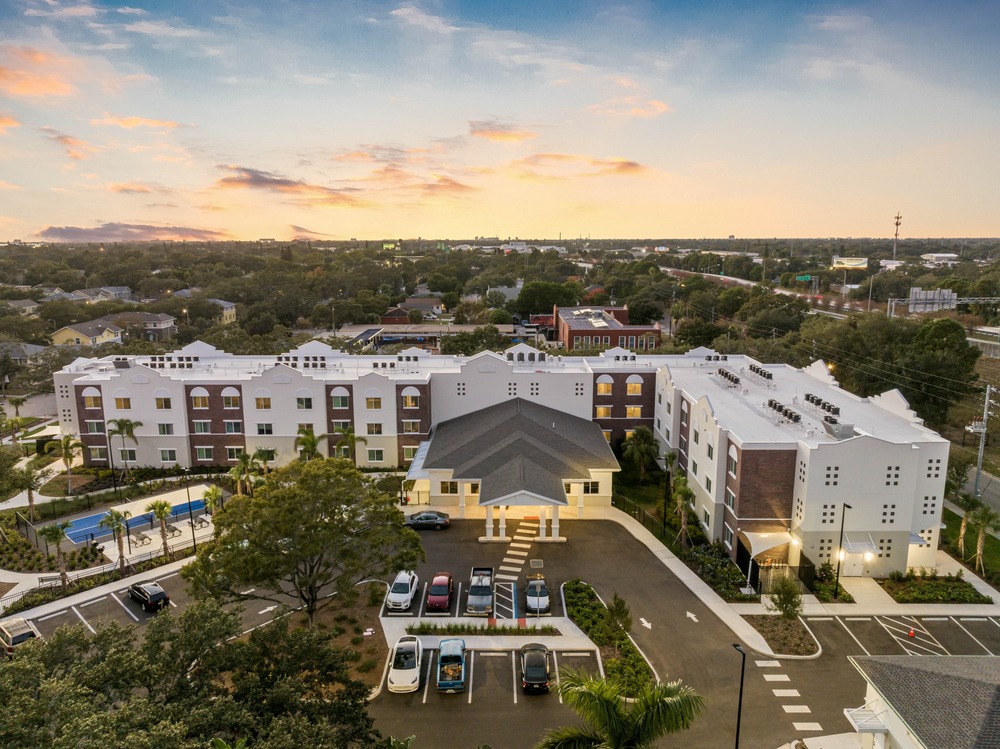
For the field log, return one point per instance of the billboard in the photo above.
(849, 263)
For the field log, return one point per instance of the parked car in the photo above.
(149, 595)
(402, 591)
(536, 594)
(404, 674)
(440, 593)
(14, 632)
(534, 667)
(429, 519)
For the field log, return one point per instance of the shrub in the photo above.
(786, 598)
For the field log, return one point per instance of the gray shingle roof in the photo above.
(948, 702)
(520, 446)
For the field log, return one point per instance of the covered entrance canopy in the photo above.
(761, 542)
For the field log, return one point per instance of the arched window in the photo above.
(340, 397)
(123, 401)
(633, 385)
(92, 398)
(411, 397)
(161, 399)
(303, 400)
(230, 398)
(262, 399)
(199, 398)
(373, 400)
(605, 384)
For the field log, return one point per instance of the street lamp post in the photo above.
(739, 707)
(840, 550)
(187, 490)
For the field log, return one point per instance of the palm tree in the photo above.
(307, 443)
(30, 480)
(682, 499)
(669, 478)
(124, 428)
(350, 440)
(16, 403)
(212, 498)
(614, 723)
(15, 425)
(54, 535)
(116, 521)
(986, 519)
(66, 448)
(244, 468)
(969, 504)
(162, 509)
(263, 456)
(640, 448)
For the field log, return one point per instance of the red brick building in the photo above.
(604, 327)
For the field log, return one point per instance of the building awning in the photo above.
(858, 545)
(761, 542)
(917, 540)
(416, 470)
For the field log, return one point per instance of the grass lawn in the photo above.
(648, 494)
(991, 551)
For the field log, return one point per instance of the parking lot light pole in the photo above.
(187, 490)
(739, 707)
(128, 536)
(840, 550)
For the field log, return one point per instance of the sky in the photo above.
(537, 120)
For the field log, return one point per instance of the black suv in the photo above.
(535, 667)
(149, 595)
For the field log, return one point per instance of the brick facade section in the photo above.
(765, 480)
(218, 440)
(85, 415)
(619, 400)
(423, 413)
(337, 414)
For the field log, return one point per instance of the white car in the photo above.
(404, 673)
(402, 591)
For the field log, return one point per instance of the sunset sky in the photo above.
(443, 119)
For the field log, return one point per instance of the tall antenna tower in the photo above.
(896, 238)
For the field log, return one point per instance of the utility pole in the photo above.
(979, 426)
(896, 238)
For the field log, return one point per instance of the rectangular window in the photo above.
(705, 517)
(163, 404)
(375, 455)
(230, 401)
(731, 465)
(203, 453)
(341, 426)
(411, 427)
(123, 404)
(633, 388)
(604, 388)
(408, 452)
(304, 404)
(127, 454)
(339, 401)
(304, 428)
(95, 427)
(374, 429)
(603, 412)
(696, 436)
(262, 404)
(199, 401)
(342, 452)
(265, 429)
(233, 427)
(93, 401)
(633, 412)
(233, 453)
(710, 449)
(168, 456)
(411, 401)
(730, 499)
(591, 487)
(99, 453)
(607, 434)
(474, 488)
(694, 467)
(708, 484)
(203, 427)
(449, 487)
(727, 536)
(629, 433)
(164, 430)
(373, 404)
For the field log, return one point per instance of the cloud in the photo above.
(132, 122)
(446, 186)
(556, 166)
(310, 80)
(382, 154)
(126, 11)
(631, 107)
(115, 232)
(499, 132)
(256, 179)
(300, 232)
(8, 186)
(412, 16)
(7, 121)
(162, 29)
(130, 188)
(82, 10)
(76, 149)
(105, 47)
(29, 72)
(845, 23)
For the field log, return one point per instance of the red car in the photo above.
(440, 593)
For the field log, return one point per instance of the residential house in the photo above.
(20, 353)
(89, 333)
(395, 316)
(24, 306)
(426, 304)
(103, 294)
(149, 326)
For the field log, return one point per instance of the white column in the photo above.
(579, 500)
(489, 522)
(555, 522)
(503, 521)
(543, 519)
(461, 499)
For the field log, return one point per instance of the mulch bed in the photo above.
(785, 636)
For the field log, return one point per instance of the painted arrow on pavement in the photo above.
(268, 610)
(644, 623)
(692, 617)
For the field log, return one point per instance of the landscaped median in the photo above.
(927, 586)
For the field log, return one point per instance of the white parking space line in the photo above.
(514, 560)
(767, 664)
(555, 661)
(796, 708)
(786, 692)
(935, 618)
(988, 652)
(85, 604)
(900, 630)
(516, 553)
(423, 600)
(430, 675)
(51, 616)
(472, 660)
(821, 618)
(127, 610)
(503, 576)
(510, 569)
(573, 654)
(513, 673)
(491, 653)
(776, 677)
(974, 618)
(167, 577)
(858, 618)
(807, 726)
(516, 545)
(853, 637)
(85, 622)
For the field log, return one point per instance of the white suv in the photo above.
(402, 591)
(13, 632)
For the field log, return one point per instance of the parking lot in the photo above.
(907, 635)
